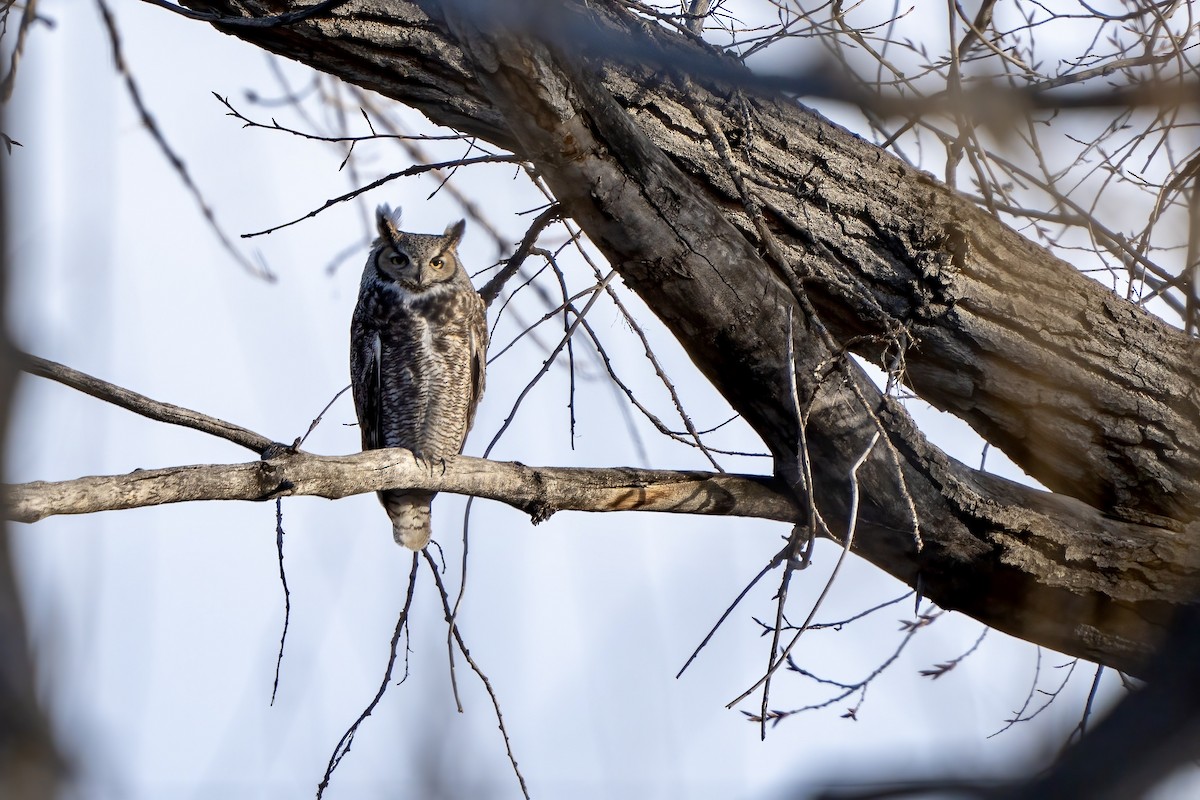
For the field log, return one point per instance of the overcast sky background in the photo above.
(156, 629)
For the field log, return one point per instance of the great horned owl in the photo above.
(418, 345)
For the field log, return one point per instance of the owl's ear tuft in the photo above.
(454, 232)
(387, 221)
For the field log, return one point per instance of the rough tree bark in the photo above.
(738, 216)
(540, 492)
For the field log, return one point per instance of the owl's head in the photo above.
(418, 261)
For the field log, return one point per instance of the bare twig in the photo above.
(772, 564)
(1081, 728)
(411, 146)
(1051, 696)
(847, 544)
(549, 361)
(462, 592)
(176, 162)
(859, 687)
(343, 746)
(317, 421)
(287, 596)
(1019, 713)
(798, 553)
(687, 438)
(839, 624)
(943, 667)
(529, 329)
(416, 169)
(28, 17)
(487, 684)
(275, 126)
(1103, 71)
(492, 288)
(568, 309)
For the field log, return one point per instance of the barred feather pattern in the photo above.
(417, 356)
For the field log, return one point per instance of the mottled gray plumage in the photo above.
(418, 346)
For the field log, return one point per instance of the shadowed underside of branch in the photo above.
(798, 219)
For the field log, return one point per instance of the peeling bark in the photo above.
(768, 213)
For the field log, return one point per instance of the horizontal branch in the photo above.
(539, 491)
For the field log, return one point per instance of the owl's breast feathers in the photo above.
(417, 362)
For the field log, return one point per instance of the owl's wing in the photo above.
(478, 332)
(365, 358)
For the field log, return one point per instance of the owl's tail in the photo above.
(410, 517)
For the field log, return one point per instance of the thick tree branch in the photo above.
(1088, 393)
(990, 543)
(288, 18)
(539, 491)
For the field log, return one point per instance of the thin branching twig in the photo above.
(172, 157)
(342, 749)
(287, 596)
(451, 620)
(416, 169)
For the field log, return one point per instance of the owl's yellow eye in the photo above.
(437, 263)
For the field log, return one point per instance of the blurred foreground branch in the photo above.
(32, 765)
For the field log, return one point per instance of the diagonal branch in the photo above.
(1003, 553)
(140, 404)
(493, 287)
(287, 18)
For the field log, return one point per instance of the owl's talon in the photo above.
(427, 464)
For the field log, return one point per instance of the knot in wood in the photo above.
(538, 511)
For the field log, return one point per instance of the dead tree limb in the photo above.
(145, 406)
